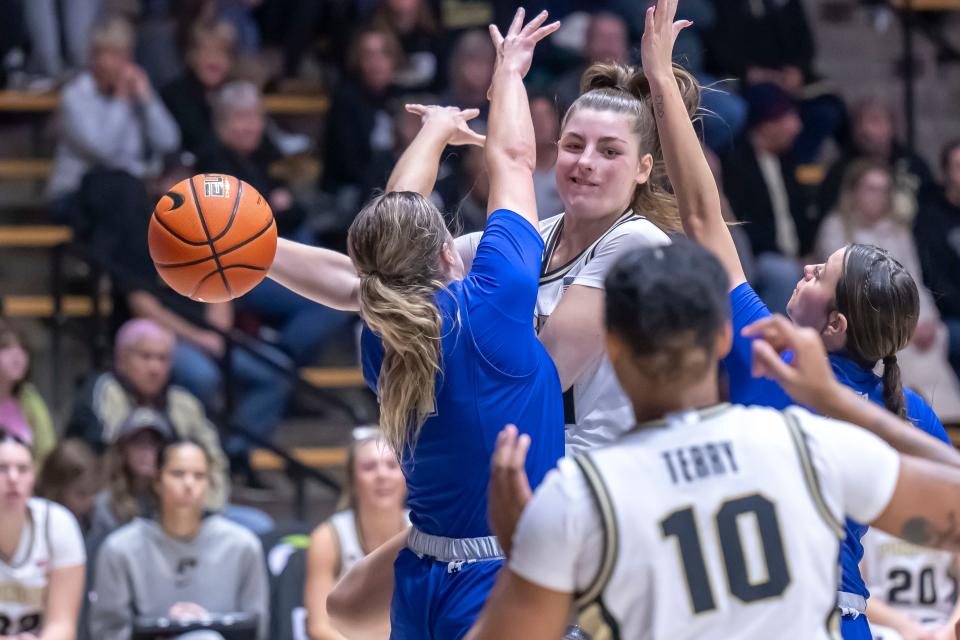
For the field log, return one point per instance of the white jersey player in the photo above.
(596, 410)
(706, 521)
(911, 587)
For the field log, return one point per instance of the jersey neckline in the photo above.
(692, 416)
(553, 239)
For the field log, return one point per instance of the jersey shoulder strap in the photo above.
(799, 438)
(608, 522)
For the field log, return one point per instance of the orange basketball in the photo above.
(212, 237)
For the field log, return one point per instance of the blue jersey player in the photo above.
(865, 305)
(454, 357)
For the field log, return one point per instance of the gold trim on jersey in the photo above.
(810, 473)
(547, 276)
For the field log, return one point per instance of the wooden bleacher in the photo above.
(317, 457)
(34, 236)
(25, 168)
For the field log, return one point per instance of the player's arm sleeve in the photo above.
(66, 541)
(111, 610)
(858, 471)
(606, 253)
(558, 539)
(501, 292)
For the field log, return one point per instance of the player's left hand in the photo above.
(659, 35)
(453, 120)
(509, 487)
(808, 378)
(186, 611)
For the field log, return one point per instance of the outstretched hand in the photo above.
(659, 35)
(515, 50)
(807, 378)
(509, 487)
(452, 119)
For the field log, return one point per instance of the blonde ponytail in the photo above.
(396, 243)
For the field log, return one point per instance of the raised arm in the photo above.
(511, 150)
(690, 175)
(328, 277)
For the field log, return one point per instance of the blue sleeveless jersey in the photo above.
(494, 372)
(747, 308)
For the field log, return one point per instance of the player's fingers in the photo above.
(648, 21)
(469, 114)
(534, 24)
(519, 457)
(517, 22)
(679, 26)
(496, 36)
(418, 109)
(504, 449)
(476, 139)
(774, 329)
(543, 32)
(767, 363)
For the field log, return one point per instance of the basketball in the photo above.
(212, 238)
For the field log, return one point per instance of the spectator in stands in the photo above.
(873, 130)
(372, 511)
(185, 565)
(143, 353)
(771, 42)
(866, 215)
(112, 123)
(470, 72)
(210, 56)
(546, 129)
(130, 463)
(415, 26)
(759, 178)
(52, 22)
(606, 41)
(405, 128)
(41, 554)
(937, 231)
(71, 477)
(359, 123)
(23, 411)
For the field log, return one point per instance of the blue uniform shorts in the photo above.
(438, 600)
(855, 628)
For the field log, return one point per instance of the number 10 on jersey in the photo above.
(683, 525)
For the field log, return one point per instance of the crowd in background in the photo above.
(153, 91)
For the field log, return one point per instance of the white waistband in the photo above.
(453, 549)
(851, 604)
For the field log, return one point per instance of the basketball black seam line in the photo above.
(233, 215)
(215, 271)
(191, 263)
(206, 232)
(176, 235)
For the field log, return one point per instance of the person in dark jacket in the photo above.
(937, 231)
(759, 177)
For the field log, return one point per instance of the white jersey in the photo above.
(344, 525)
(718, 524)
(917, 581)
(596, 409)
(50, 540)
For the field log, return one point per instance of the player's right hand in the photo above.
(807, 378)
(515, 50)
(509, 487)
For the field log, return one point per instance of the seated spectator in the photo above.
(606, 41)
(771, 42)
(140, 378)
(111, 124)
(415, 26)
(210, 56)
(358, 123)
(405, 128)
(865, 215)
(470, 72)
(130, 463)
(23, 411)
(52, 22)
(71, 477)
(184, 565)
(913, 589)
(937, 231)
(873, 137)
(759, 178)
(546, 129)
(373, 511)
(42, 558)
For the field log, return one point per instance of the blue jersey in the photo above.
(494, 372)
(747, 307)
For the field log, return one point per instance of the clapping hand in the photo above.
(509, 487)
